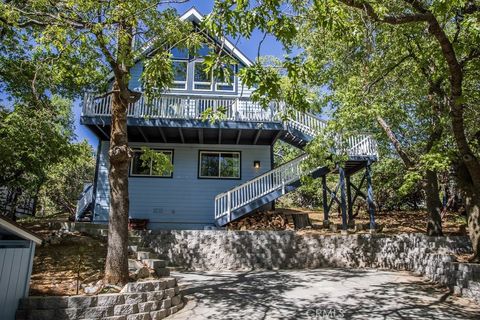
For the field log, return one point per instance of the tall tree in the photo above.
(31, 140)
(78, 41)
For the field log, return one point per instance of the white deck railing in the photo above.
(171, 106)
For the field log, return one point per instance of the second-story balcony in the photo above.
(173, 118)
(186, 107)
(180, 119)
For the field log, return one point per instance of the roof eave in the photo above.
(19, 231)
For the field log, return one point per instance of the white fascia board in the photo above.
(19, 231)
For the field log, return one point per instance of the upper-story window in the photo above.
(180, 73)
(226, 82)
(189, 72)
(202, 80)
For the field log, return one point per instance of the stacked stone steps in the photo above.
(152, 261)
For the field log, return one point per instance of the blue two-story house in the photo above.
(221, 170)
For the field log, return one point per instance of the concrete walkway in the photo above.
(317, 294)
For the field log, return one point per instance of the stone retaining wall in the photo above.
(147, 300)
(432, 257)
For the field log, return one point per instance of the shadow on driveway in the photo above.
(318, 294)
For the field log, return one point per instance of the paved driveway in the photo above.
(318, 294)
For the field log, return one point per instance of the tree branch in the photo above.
(387, 72)
(390, 19)
(396, 144)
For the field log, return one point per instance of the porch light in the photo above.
(256, 164)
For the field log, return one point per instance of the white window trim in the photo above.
(233, 84)
(219, 164)
(197, 82)
(151, 175)
(185, 83)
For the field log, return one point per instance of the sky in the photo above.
(248, 46)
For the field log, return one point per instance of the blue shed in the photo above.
(17, 248)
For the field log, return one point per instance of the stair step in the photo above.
(154, 263)
(143, 255)
(134, 265)
(162, 272)
(135, 240)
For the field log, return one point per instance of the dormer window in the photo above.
(202, 80)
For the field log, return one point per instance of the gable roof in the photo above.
(195, 16)
(16, 229)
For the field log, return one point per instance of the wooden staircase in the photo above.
(259, 191)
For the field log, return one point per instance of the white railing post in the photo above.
(229, 205)
(235, 108)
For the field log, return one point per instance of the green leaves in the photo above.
(161, 162)
(32, 141)
(157, 73)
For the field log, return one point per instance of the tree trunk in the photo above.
(434, 205)
(472, 205)
(116, 266)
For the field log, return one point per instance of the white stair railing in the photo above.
(276, 179)
(306, 123)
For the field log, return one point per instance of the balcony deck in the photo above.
(179, 119)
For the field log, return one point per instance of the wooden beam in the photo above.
(370, 203)
(343, 200)
(239, 135)
(181, 135)
(200, 136)
(259, 131)
(279, 133)
(162, 134)
(103, 132)
(349, 200)
(142, 134)
(219, 135)
(326, 209)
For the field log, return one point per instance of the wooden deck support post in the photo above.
(370, 203)
(349, 202)
(343, 200)
(325, 201)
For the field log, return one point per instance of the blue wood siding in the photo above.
(16, 258)
(184, 201)
(135, 75)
